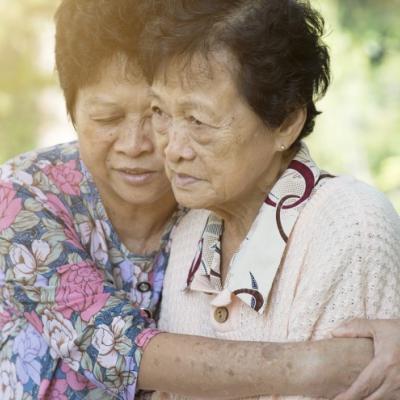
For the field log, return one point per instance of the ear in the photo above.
(290, 130)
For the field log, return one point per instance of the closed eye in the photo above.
(109, 119)
(194, 121)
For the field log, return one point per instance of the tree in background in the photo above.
(358, 132)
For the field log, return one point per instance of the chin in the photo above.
(191, 200)
(145, 195)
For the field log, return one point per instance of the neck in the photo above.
(238, 219)
(140, 227)
(240, 214)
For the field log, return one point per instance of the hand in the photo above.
(380, 380)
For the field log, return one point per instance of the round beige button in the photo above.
(221, 314)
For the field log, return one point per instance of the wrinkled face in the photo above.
(113, 120)
(217, 149)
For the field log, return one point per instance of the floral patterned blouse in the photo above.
(74, 301)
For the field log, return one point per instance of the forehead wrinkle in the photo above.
(197, 102)
(186, 101)
(98, 100)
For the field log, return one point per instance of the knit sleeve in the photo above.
(380, 255)
(48, 278)
(352, 260)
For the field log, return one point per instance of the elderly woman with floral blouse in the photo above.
(84, 241)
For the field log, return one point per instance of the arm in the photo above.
(381, 378)
(94, 329)
(90, 327)
(203, 367)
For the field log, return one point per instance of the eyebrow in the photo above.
(187, 104)
(100, 101)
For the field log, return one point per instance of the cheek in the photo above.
(93, 151)
(167, 173)
(225, 174)
(92, 132)
(161, 142)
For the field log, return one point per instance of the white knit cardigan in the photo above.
(342, 262)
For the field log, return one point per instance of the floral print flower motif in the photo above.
(35, 321)
(9, 171)
(10, 206)
(76, 381)
(106, 339)
(123, 380)
(26, 263)
(66, 177)
(10, 388)
(29, 346)
(60, 335)
(98, 245)
(80, 290)
(95, 235)
(126, 268)
(56, 207)
(145, 336)
(6, 321)
(54, 390)
(5, 318)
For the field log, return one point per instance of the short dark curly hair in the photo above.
(90, 32)
(283, 62)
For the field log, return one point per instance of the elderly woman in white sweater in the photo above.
(284, 251)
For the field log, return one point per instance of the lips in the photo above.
(184, 179)
(136, 176)
(135, 171)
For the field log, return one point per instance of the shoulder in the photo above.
(21, 168)
(55, 170)
(188, 232)
(192, 223)
(42, 181)
(345, 200)
(348, 217)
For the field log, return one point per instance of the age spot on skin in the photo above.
(270, 353)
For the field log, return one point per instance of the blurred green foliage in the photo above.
(20, 76)
(358, 132)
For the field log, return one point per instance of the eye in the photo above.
(156, 110)
(109, 119)
(194, 120)
(160, 120)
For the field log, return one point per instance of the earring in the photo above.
(283, 147)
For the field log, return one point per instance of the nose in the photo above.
(178, 145)
(135, 138)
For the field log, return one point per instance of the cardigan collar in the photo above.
(254, 266)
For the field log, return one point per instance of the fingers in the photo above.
(380, 380)
(383, 394)
(355, 328)
(367, 383)
(390, 389)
